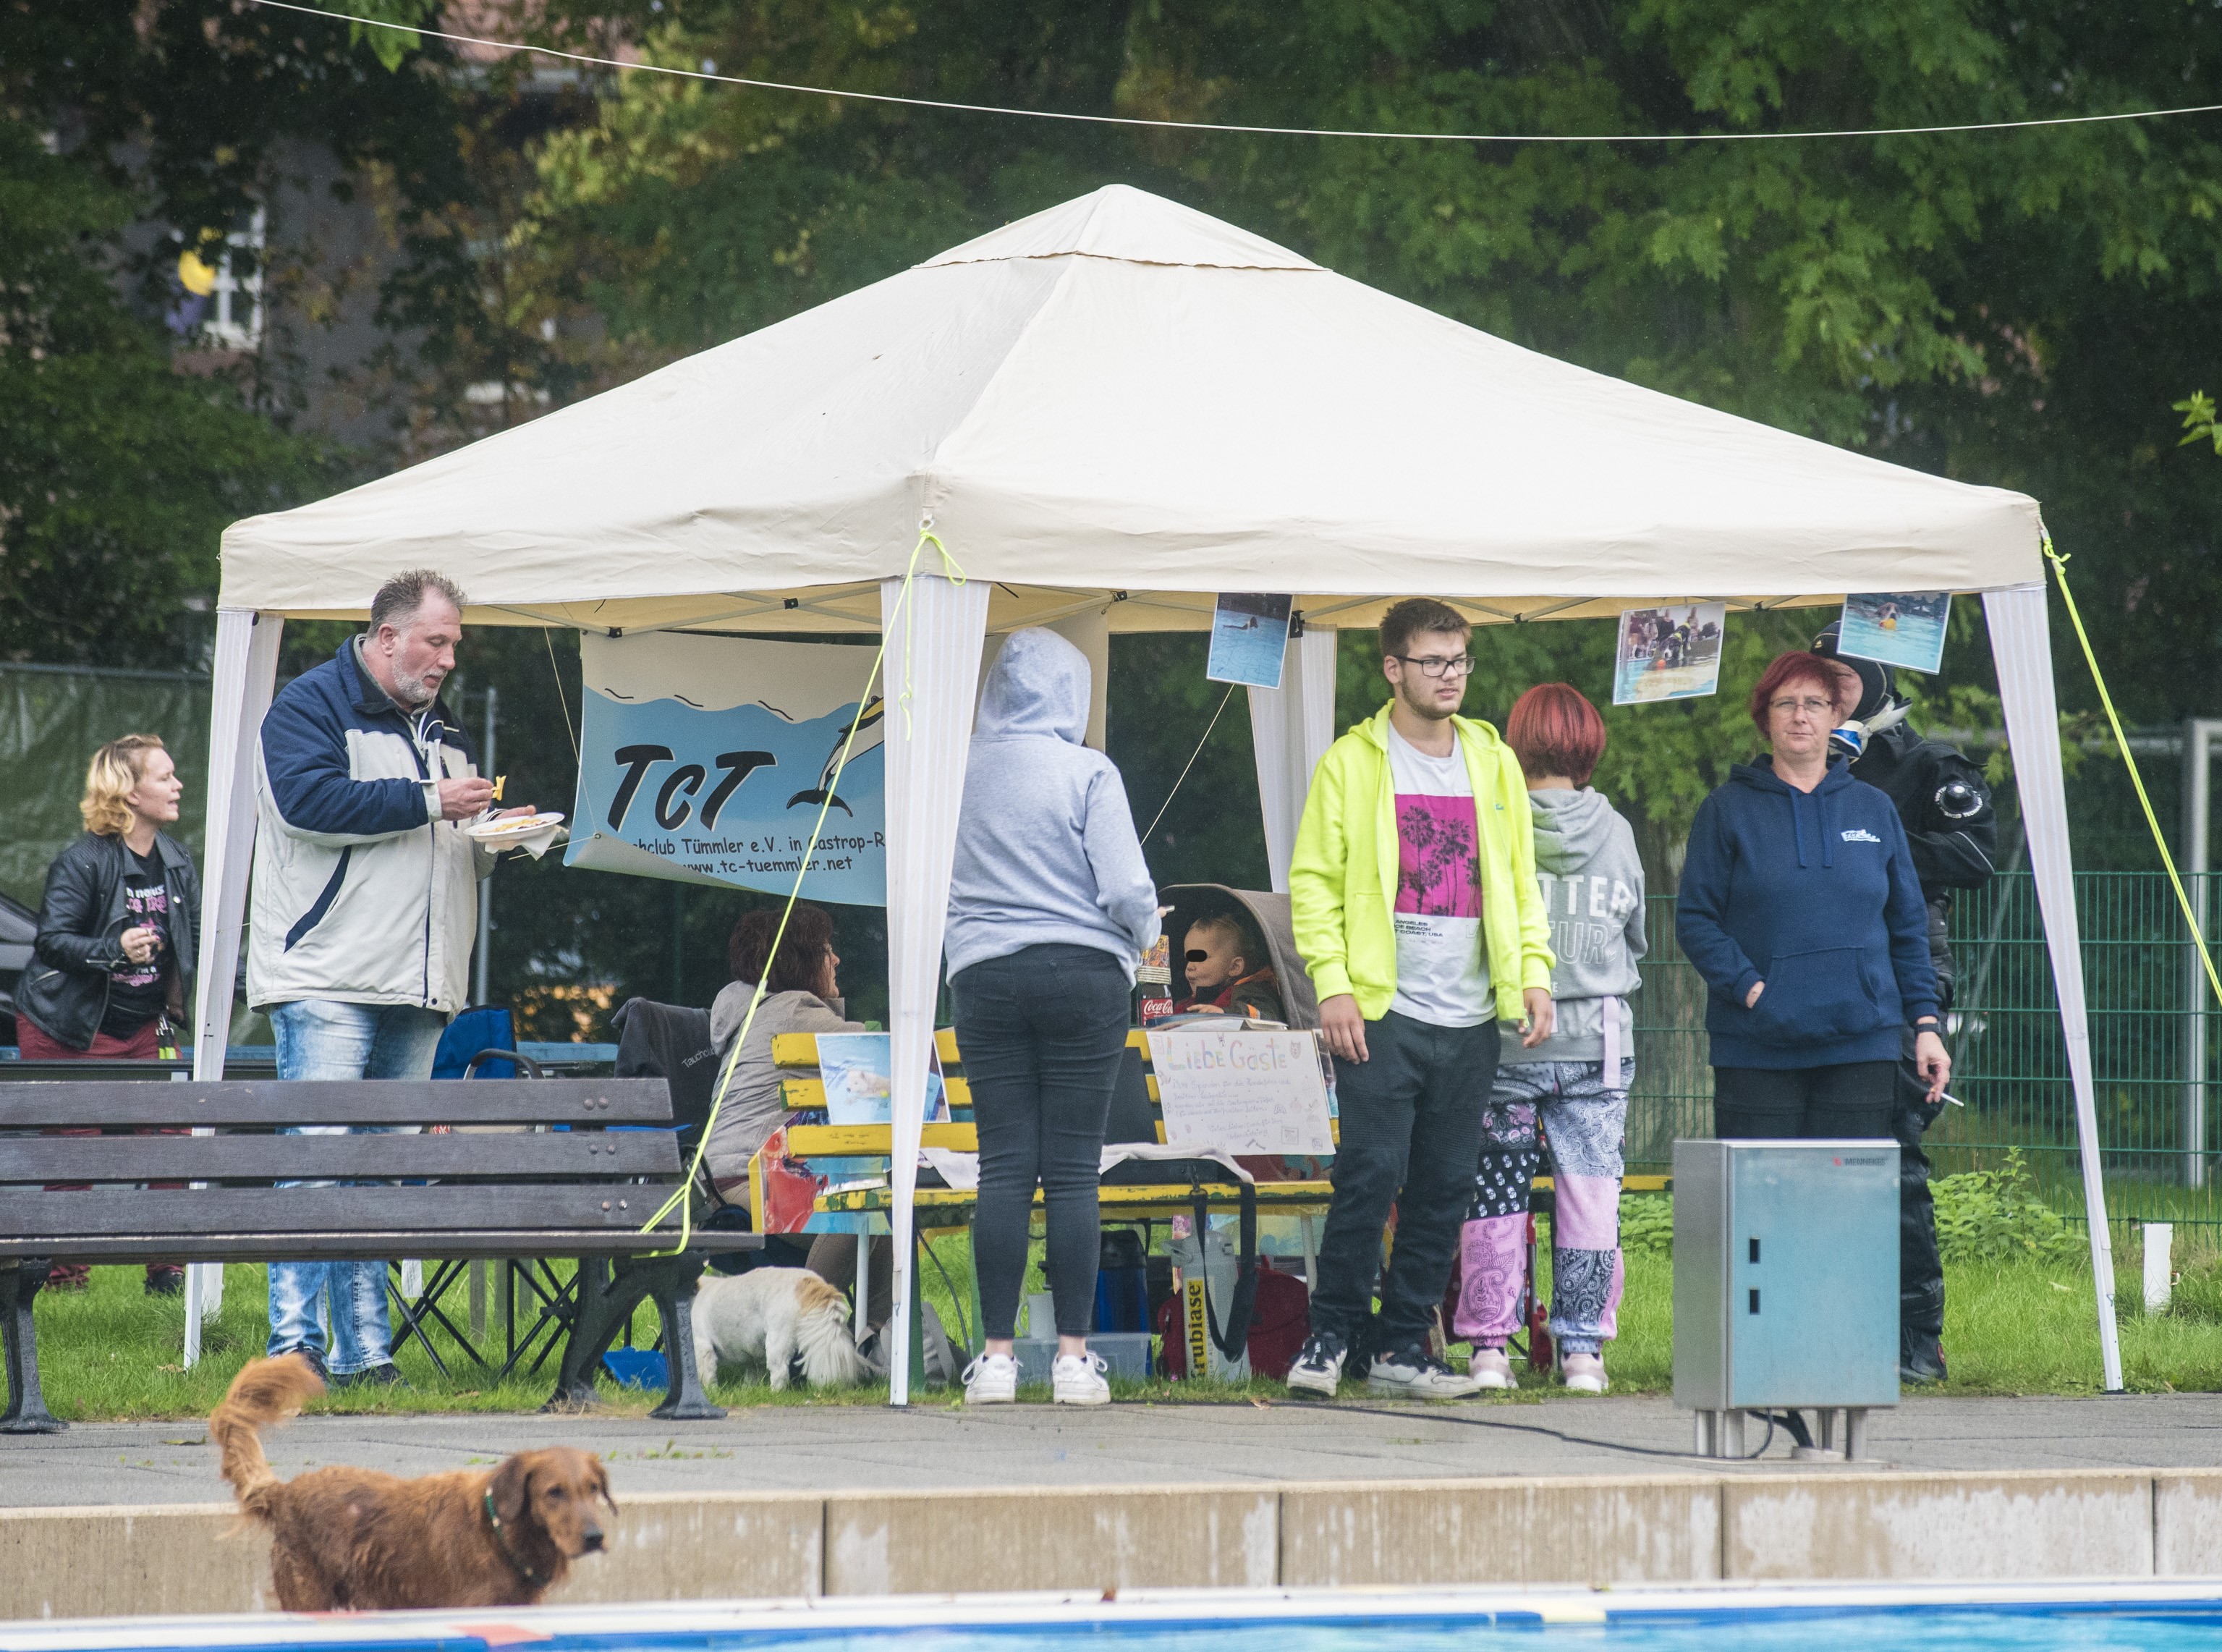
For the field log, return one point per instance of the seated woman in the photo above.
(802, 994)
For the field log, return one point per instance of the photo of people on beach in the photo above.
(1671, 653)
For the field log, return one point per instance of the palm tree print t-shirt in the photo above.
(1442, 977)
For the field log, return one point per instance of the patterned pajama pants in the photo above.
(1583, 1123)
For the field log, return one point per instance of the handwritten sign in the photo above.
(1231, 1090)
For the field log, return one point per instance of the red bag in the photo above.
(1280, 1320)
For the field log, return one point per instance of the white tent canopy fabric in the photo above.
(1119, 408)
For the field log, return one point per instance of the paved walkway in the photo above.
(820, 1449)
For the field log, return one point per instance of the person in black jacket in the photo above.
(117, 933)
(1952, 830)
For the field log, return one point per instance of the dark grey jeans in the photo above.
(1040, 1032)
(1411, 1135)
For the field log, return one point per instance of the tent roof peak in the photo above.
(1131, 225)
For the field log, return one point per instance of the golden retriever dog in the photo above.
(353, 1539)
(779, 1317)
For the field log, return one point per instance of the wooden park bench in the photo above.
(569, 1167)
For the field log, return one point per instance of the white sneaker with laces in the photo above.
(1490, 1369)
(991, 1380)
(1412, 1373)
(1077, 1379)
(1584, 1373)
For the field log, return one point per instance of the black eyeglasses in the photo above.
(1431, 666)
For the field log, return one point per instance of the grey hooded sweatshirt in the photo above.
(1592, 884)
(1045, 847)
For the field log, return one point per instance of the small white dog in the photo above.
(770, 1317)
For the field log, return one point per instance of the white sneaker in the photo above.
(1490, 1369)
(1413, 1374)
(1584, 1373)
(1318, 1368)
(1077, 1379)
(991, 1380)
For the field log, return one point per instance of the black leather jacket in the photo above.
(65, 991)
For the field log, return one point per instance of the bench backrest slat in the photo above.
(271, 1103)
(507, 1156)
(611, 1207)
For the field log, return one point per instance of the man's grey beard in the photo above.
(413, 691)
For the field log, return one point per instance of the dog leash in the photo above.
(501, 1543)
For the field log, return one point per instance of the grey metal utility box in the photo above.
(1785, 1276)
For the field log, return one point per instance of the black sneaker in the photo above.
(1318, 1369)
(1416, 1375)
(311, 1357)
(377, 1376)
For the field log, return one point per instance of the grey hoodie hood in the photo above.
(1038, 685)
(1045, 849)
(1592, 881)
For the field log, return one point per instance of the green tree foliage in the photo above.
(117, 472)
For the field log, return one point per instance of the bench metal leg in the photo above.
(607, 1298)
(27, 1410)
(685, 1400)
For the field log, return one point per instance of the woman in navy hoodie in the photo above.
(1799, 906)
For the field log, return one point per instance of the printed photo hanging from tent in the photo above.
(1672, 653)
(1249, 640)
(1897, 627)
(706, 759)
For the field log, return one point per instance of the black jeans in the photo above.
(1040, 1032)
(1855, 1098)
(1411, 1136)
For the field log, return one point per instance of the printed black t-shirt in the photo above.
(138, 992)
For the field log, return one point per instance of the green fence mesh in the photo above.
(2157, 1128)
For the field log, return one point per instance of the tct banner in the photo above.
(705, 759)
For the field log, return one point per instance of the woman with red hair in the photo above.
(1800, 907)
(1575, 1082)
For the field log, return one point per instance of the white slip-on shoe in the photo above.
(1490, 1369)
(991, 1380)
(1584, 1373)
(1077, 1379)
(1415, 1375)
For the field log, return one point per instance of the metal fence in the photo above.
(2152, 1049)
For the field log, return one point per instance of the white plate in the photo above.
(515, 827)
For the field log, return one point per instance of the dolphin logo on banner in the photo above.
(872, 718)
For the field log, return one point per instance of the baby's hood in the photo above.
(1038, 685)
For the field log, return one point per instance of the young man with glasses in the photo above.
(1416, 910)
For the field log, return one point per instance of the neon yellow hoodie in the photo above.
(1342, 876)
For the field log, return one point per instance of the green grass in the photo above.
(2015, 1324)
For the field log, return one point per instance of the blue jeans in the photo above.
(322, 1038)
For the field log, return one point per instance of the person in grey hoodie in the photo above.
(1050, 906)
(1576, 1082)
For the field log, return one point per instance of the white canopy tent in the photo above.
(1110, 412)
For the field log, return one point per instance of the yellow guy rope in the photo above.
(678, 1199)
(2190, 918)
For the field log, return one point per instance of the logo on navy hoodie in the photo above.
(1861, 834)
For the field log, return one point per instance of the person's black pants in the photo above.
(1855, 1098)
(1920, 1264)
(1410, 1117)
(1040, 1032)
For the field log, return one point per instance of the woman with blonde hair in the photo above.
(117, 932)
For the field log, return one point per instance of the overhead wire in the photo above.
(711, 75)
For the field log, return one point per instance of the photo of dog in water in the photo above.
(354, 1539)
(785, 1319)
